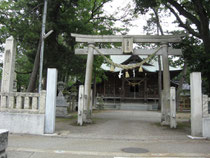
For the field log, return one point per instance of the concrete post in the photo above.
(166, 86)
(88, 79)
(196, 104)
(51, 101)
(9, 65)
(80, 105)
(173, 107)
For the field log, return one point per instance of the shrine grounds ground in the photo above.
(120, 134)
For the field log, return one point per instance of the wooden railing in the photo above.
(19, 102)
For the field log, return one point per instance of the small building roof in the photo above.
(152, 66)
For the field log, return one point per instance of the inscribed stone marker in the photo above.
(9, 65)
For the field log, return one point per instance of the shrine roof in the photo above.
(150, 67)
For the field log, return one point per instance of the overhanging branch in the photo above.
(182, 24)
(185, 13)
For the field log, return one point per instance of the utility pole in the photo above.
(42, 45)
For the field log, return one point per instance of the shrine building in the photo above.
(139, 85)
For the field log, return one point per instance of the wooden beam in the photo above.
(115, 51)
(136, 38)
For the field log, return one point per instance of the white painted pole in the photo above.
(51, 101)
(42, 45)
(196, 103)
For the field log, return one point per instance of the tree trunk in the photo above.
(206, 42)
(33, 77)
(159, 61)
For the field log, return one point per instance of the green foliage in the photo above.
(143, 6)
(23, 70)
(196, 23)
(195, 57)
(22, 19)
(0, 73)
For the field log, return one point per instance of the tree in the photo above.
(23, 18)
(196, 19)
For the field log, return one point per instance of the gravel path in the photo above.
(119, 124)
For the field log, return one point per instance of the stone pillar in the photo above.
(166, 86)
(11, 102)
(3, 142)
(19, 102)
(9, 65)
(51, 101)
(26, 103)
(42, 102)
(3, 101)
(162, 107)
(88, 79)
(34, 103)
(80, 105)
(196, 104)
(173, 107)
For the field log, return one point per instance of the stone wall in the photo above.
(22, 113)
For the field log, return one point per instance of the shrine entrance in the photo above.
(167, 100)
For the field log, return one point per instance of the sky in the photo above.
(137, 29)
(116, 5)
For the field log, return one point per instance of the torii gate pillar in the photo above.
(165, 109)
(88, 79)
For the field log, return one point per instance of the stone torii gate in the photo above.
(127, 49)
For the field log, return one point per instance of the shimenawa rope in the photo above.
(126, 67)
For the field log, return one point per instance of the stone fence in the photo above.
(206, 109)
(19, 102)
(22, 112)
(206, 117)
